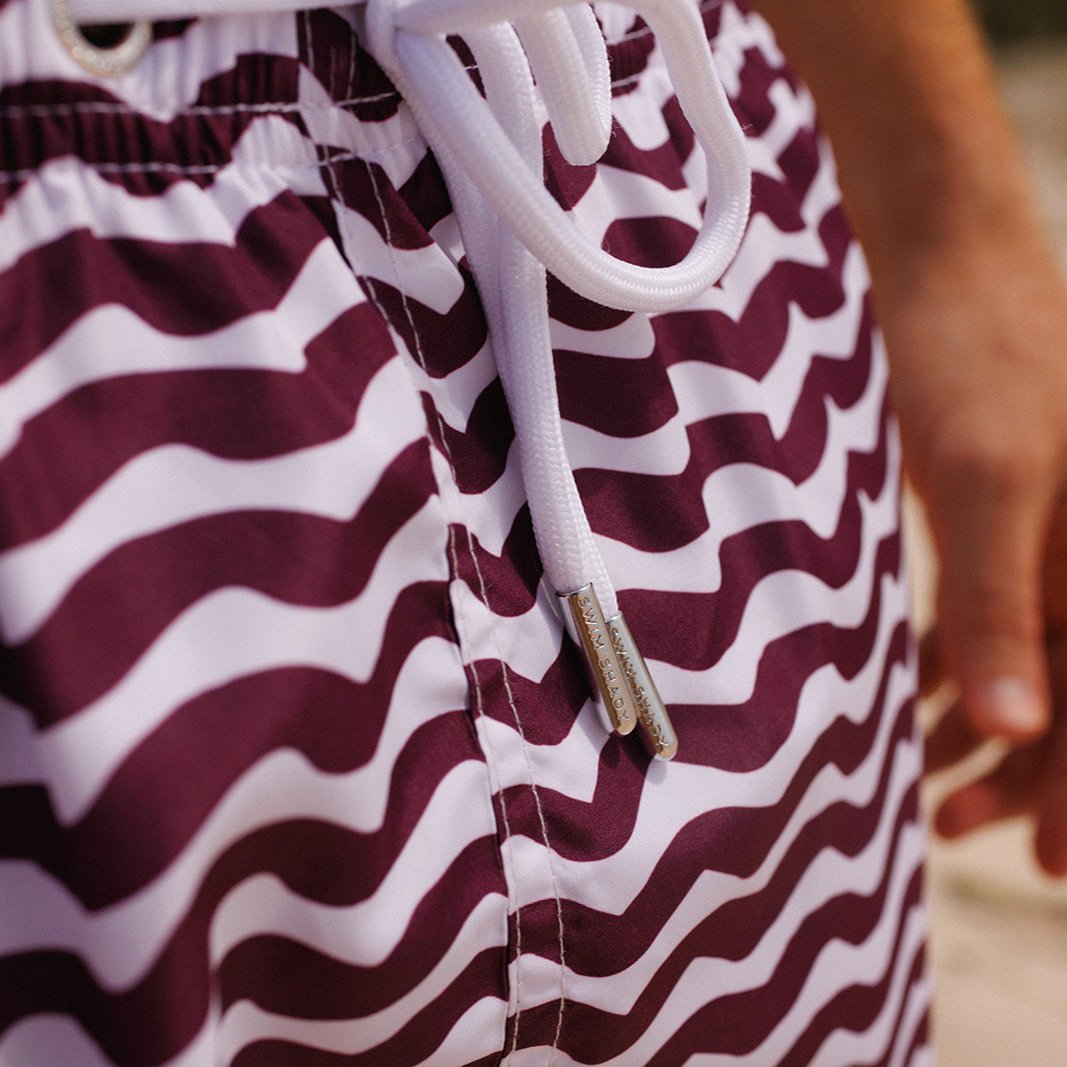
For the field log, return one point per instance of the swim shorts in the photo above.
(298, 765)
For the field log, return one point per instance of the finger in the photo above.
(952, 739)
(1050, 840)
(1007, 791)
(931, 664)
(991, 519)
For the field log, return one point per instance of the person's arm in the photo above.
(975, 315)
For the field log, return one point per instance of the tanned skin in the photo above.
(974, 310)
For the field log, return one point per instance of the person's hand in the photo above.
(978, 342)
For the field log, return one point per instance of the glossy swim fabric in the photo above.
(296, 764)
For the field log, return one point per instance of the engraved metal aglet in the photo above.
(656, 729)
(586, 624)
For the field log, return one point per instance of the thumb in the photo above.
(991, 537)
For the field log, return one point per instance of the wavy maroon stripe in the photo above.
(659, 513)
(479, 452)
(142, 587)
(152, 279)
(421, 327)
(46, 982)
(287, 978)
(169, 786)
(416, 1042)
(738, 1023)
(616, 942)
(720, 735)
(232, 414)
(855, 1010)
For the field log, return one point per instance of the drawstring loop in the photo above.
(408, 38)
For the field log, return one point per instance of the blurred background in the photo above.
(999, 937)
(1014, 19)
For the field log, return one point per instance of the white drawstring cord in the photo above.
(490, 152)
(576, 93)
(408, 40)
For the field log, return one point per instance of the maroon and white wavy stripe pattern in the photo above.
(296, 766)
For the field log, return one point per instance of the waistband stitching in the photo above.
(157, 167)
(103, 108)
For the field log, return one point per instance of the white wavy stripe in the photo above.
(229, 634)
(640, 115)
(425, 275)
(544, 1056)
(829, 875)
(368, 933)
(886, 1039)
(839, 966)
(613, 883)
(916, 1008)
(741, 496)
(778, 604)
(455, 396)
(66, 194)
(172, 484)
(791, 112)
(705, 390)
(87, 352)
(172, 76)
(738, 33)
(567, 766)
(478, 1032)
(120, 943)
(539, 981)
(615, 195)
(50, 1040)
(396, 144)
(633, 338)
(485, 927)
(543, 628)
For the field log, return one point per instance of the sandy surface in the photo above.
(999, 937)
